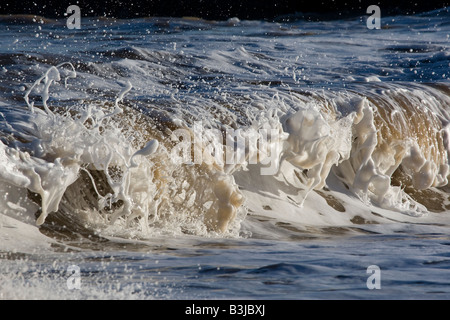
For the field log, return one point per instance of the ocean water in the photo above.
(179, 158)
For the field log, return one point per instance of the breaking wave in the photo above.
(108, 167)
(137, 128)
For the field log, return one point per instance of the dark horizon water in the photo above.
(220, 10)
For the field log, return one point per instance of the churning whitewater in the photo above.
(133, 130)
(84, 162)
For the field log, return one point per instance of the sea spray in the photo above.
(144, 186)
(92, 141)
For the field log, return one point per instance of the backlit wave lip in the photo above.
(109, 167)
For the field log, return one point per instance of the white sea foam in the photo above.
(147, 184)
(157, 154)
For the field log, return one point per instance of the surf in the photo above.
(106, 166)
